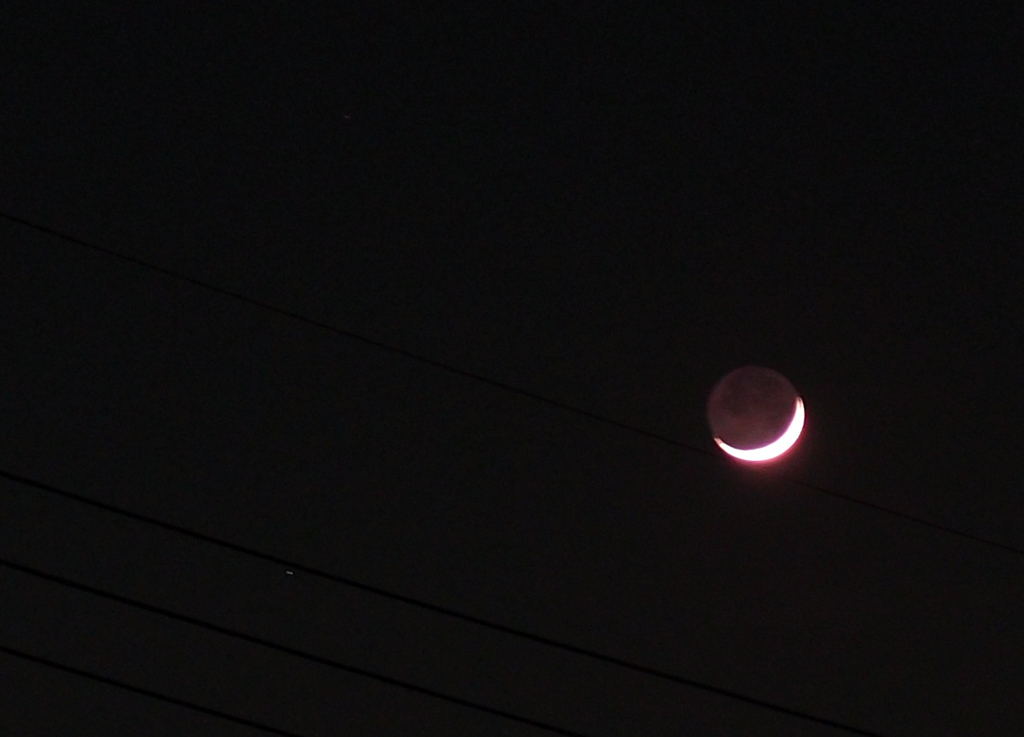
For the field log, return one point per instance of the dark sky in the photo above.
(607, 208)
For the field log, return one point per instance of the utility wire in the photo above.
(426, 360)
(286, 649)
(192, 706)
(419, 603)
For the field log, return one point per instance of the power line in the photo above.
(480, 378)
(286, 649)
(192, 706)
(419, 603)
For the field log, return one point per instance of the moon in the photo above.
(755, 414)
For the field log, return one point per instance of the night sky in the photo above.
(608, 209)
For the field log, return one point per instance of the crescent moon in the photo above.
(775, 448)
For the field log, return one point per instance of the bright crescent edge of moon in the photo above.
(775, 448)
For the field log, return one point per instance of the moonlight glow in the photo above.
(775, 448)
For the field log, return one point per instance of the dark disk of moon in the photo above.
(753, 407)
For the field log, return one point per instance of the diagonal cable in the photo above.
(190, 705)
(449, 368)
